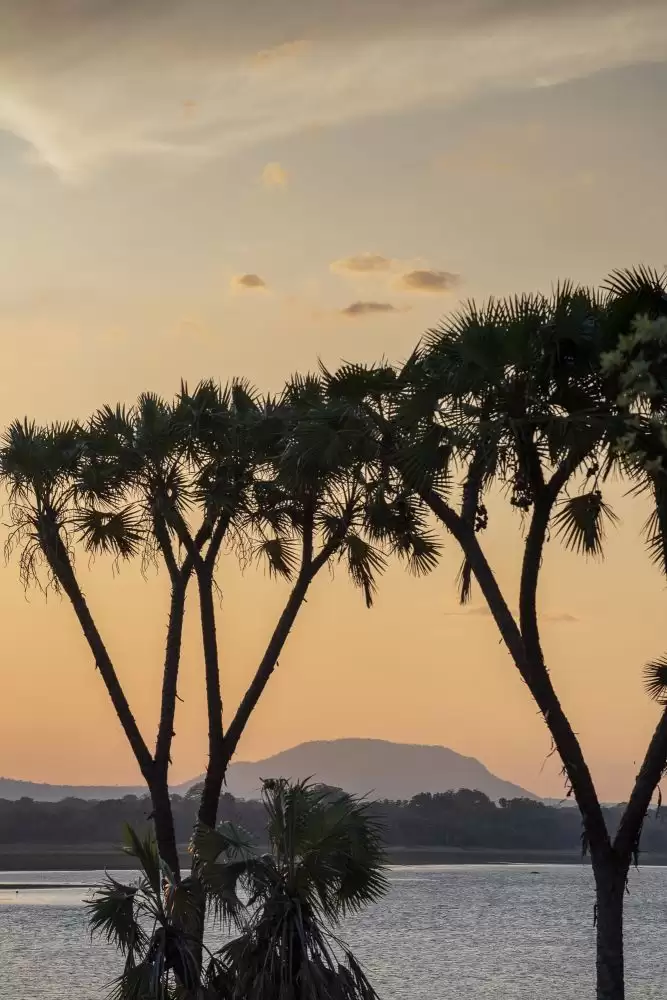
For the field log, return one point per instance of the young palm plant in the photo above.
(279, 910)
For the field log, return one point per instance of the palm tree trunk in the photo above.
(532, 668)
(163, 821)
(610, 883)
(267, 664)
(162, 813)
(215, 772)
(155, 777)
(62, 568)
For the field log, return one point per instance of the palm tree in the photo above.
(106, 487)
(290, 491)
(178, 482)
(280, 909)
(513, 395)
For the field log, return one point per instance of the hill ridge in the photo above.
(379, 768)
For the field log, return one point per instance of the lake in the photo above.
(469, 932)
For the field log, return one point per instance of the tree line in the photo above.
(537, 399)
(464, 819)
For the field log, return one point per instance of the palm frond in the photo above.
(655, 680)
(39, 457)
(355, 383)
(111, 914)
(580, 522)
(227, 841)
(279, 555)
(364, 563)
(139, 982)
(144, 849)
(655, 527)
(464, 581)
(633, 280)
(117, 533)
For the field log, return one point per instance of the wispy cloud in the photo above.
(357, 310)
(286, 50)
(428, 280)
(362, 263)
(482, 611)
(248, 282)
(84, 84)
(274, 176)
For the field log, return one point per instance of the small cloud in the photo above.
(559, 616)
(357, 309)
(479, 611)
(251, 282)
(115, 335)
(482, 611)
(288, 50)
(428, 280)
(191, 329)
(362, 263)
(274, 176)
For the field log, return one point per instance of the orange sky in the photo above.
(147, 163)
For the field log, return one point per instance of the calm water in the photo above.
(460, 932)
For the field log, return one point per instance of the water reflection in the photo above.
(471, 932)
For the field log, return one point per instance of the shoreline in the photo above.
(95, 857)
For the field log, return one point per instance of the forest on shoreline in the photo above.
(464, 820)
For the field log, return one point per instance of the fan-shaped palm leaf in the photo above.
(111, 913)
(279, 555)
(580, 522)
(655, 680)
(364, 563)
(117, 533)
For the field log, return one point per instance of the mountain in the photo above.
(377, 768)
(13, 789)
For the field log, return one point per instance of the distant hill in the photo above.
(377, 768)
(13, 789)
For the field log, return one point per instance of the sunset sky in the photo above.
(210, 188)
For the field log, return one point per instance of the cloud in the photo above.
(436, 282)
(84, 84)
(191, 328)
(250, 282)
(362, 263)
(478, 611)
(274, 176)
(357, 309)
(287, 50)
(482, 611)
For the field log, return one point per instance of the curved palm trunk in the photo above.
(154, 774)
(222, 746)
(267, 664)
(611, 860)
